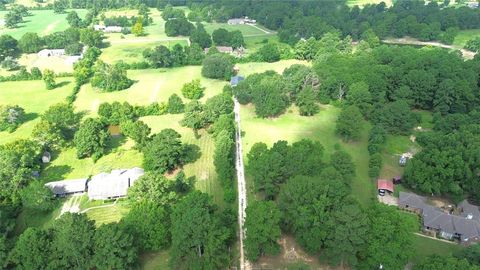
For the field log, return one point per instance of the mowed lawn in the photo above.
(464, 36)
(362, 3)
(42, 22)
(34, 98)
(292, 127)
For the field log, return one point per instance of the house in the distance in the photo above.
(51, 52)
(464, 227)
(108, 29)
(106, 186)
(67, 187)
(237, 21)
(222, 49)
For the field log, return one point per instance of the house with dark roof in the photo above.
(67, 187)
(464, 227)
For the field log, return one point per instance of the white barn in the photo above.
(106, 186)
(67, 187)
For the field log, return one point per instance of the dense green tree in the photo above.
(269, 53)
(116, 112)
(175, 104)
(137, 28)
(164, 152)
(200, 36)
(349, 235)
(269, 98)
(59, 6)
(223, 123)
(113, 248)
(221, 37)
(18, 161)
(390, 238)
(74, 49)
(30, 43)
(138, 131)
(63, 117)
(194, 116)
(375, 165)
(217, 66)
(72, 241)
(159, 57)
(471, 253)
(91, 38)
(178, 27)
(437, 262)
(262, 225)
(236, 39)
(216, 106)
(224, 157)
(155, 188)
(349, 124)
(73, 19)
(12, 19)
(37, 197)
(49, 79)
(91, 139)
(306, 102)
(343, 163)
(8, 47)
(395, 117)
(184, 184)
(149, 224)
(11, 117)
(199, 238)
(473, 44)
(110, 78)
(193, 90)
(360, 96)
(32, 250)
(306, 204)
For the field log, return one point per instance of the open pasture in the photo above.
(42, 22)
(465, 35)
(35, 99)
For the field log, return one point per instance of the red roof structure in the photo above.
(385, 185)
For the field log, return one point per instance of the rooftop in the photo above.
(111, 185)
(67, 186)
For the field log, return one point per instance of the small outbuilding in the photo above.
(46, 157)
(222, 49)
(235, 80)
(384, 186)
(397, 180)
(67, 187)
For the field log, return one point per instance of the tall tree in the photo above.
(262, 227)
(91, 139)
(349, 124)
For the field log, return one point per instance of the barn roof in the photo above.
(385, 184)
(67, 186)
(115, 184)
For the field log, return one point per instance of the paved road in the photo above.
(242, 191)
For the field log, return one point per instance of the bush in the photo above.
(375, 165)
(110, 78)
(11, 117)
(175, 104)
(193, 90)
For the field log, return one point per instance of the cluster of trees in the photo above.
(473, 44)
(162, 56)
(222, 37)
(272, 93)
(15, 16)
(305, 19)
(178, 27)
(217, 66)
(193, 90)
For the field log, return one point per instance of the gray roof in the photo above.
(67, 186)
(236, 21)
(111, 185)
(435, 218)
(235, 80)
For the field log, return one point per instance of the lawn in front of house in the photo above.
(42, 22)
(35, 99)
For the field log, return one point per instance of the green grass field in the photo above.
(247, 30)
(425, 246)
(34, 98)
(155, 260)
(464, 36)
(321, 127)
(366, 2)
(108, 214)
(42, 22)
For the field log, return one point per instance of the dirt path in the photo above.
(50, 27)
(153, 96)
(261, 29)
(242, 191)
(410, 41)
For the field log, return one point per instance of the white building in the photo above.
(106, 186)
(51, 52)
(67, 187)
(236, 21)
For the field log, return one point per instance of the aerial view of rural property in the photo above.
(240, 134)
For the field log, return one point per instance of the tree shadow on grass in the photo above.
(29, 117)
(61, 84)
(192, 153)
(115, 142)
(55, 172)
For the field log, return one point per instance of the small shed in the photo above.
(46, 157)
(235, 80)
(67, 187)
(384, 186)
